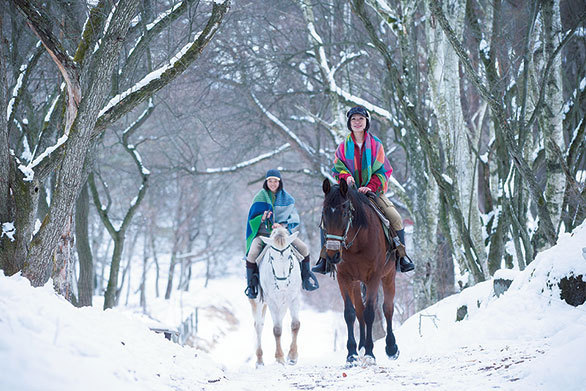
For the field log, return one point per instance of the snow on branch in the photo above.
(28, 170)
(23, 73)
(243, 164)
(284, 128)
(159, 78)
(152, 29)
(329, 72)
(386, 13)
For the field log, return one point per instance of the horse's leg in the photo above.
(258, 312)
(295, 325)
(371, 294)
(391, 348)
(349, 316)
(359, 306)
(277, 316)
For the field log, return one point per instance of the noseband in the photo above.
(335, 242)
(273, 267)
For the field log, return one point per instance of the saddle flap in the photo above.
(379, 213)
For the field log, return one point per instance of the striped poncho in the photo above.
(374, 161)
(281, 204)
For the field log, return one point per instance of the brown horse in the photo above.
(355, 242)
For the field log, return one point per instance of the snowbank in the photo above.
(47, 344)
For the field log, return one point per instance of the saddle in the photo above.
(390, 233)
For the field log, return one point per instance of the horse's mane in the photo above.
(279, 237)
(334, 198)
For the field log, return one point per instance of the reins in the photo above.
(273, 267)
(334, 242)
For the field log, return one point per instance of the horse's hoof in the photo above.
(393, 353)
(352, 361)
(369, 360)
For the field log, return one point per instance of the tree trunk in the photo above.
(553, 113)
(86, 97)
(170, 277)
(112, 289)
(85, 284)
(459, 161)
(62, 273)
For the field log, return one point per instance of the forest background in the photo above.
(137, 132)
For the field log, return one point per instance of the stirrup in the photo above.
(406, 264)
(320, 267)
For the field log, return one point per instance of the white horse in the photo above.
(280, 285)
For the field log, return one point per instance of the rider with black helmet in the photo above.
(360, 160)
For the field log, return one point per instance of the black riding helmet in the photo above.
(358, 110)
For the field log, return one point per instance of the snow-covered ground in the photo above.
(526, 339)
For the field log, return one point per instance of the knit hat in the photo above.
(273, 173)
(361, 111)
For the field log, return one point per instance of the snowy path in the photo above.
(446, 362)
(470, 368)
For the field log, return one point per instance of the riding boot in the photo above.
(321, 265)
(251, 280)
(309, 281)
(405, 264)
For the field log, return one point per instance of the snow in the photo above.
(154, 75)
(8, 230)
(28, 170)
(246, 162)
(526, 339)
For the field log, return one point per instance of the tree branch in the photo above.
(156, 80)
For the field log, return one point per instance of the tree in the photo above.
(90, 107)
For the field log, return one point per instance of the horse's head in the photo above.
(280, 253)
(342, 213)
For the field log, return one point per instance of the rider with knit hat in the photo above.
(273, 207)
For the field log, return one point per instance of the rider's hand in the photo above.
(266, 215)
(364, 189)
(350, 180)
(277, 225)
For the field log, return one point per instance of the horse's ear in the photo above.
(265, 239)
(292, 237)
(326, 186)
(343, 188)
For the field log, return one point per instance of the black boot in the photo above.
(252, 280)
(321, 265)
(405, 264)
(309, 281)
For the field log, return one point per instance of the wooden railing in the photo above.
(186, 329)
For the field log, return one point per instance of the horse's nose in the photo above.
(333, 259)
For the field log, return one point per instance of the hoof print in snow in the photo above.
(501, 285)
(461, 313)
(573, 290)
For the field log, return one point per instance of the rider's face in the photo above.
(273, 184)
(358, 123)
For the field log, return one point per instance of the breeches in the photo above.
(257, 245)
(389, 211)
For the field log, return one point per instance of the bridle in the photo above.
(336, 242)
(273, 267)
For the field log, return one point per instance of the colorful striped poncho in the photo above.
(281, 204)
(374, 161)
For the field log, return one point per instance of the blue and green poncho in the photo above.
(281, 204)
